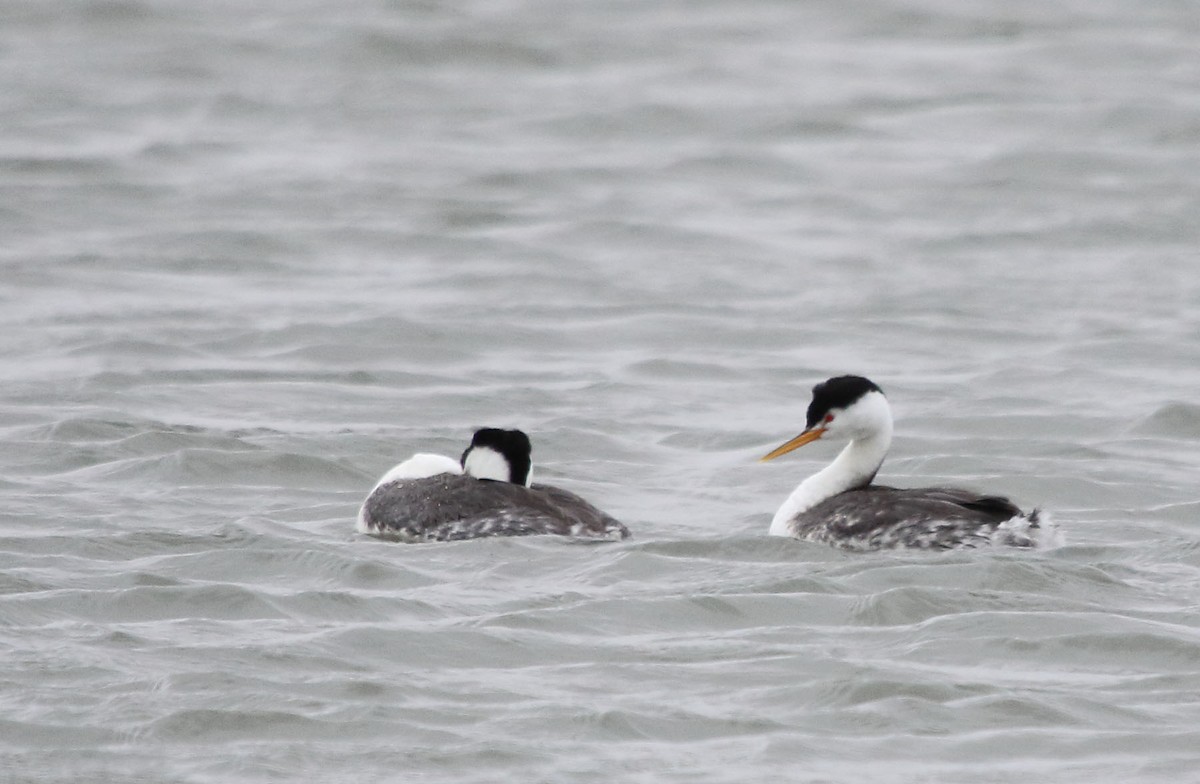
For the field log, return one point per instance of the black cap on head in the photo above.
(512, 444)
(838, 392)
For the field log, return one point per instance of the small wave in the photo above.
(209, 466)
(206, 725)
(1173, 420)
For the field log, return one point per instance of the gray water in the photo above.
(254, 254)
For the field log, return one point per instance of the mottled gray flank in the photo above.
(928, 518)
(449, 507)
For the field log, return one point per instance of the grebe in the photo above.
(489, 492)
(840, 506)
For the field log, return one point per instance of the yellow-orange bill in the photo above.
(808, 436)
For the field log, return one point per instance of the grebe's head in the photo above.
(500, 455)
(844, 407)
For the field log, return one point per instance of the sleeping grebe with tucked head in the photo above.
(488, 492)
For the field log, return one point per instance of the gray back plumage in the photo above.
(451, 506)
(878, 517)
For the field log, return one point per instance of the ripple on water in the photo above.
(207, 725)
(1173, 420)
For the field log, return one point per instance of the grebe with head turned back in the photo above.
(488, 492)
(840, 506)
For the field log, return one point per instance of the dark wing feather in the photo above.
(578, 512)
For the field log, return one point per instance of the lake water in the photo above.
(253, 254)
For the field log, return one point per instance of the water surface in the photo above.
(253, 256)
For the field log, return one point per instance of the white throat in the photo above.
(486, 463)
(868, 424)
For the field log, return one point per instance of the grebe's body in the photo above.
(840, 506)
(488, 492)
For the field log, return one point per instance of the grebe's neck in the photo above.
(854, 467)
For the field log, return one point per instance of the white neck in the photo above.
(853, 467)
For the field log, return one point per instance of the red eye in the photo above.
(828, 418)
